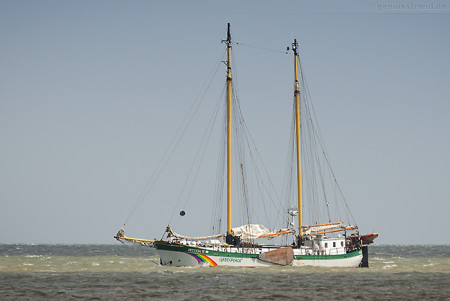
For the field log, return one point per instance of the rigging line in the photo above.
(235, 76)
(239, 153)
(322, 145)
(313, 157)
(244, 168)
(256, 161)
(319, 173)
(288, 179)
(288, 175)
(245, 193)
(220, 176)
(245, 135)
(248, 135)
(196, 159)
(239, 137)
(182, 128)
(252, 146)
(259, 47)
(200, 153)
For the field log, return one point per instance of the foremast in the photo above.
(297, 131)
(229, 82)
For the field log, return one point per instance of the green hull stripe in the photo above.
(162, 245)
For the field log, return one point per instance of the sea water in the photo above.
(119, 272)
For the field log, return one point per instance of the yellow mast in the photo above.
(229, 82)
(297, 127)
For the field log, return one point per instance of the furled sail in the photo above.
(326, 228)
(255, 231)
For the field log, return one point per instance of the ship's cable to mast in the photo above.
(260, 48)
(316, 135)
(197, 162)
(175, 140)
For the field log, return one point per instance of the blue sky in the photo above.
(91, 93)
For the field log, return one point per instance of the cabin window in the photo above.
(342, 243)
(334, 244)
(326, 245)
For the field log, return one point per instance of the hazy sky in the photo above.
(91, 92)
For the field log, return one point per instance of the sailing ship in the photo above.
(327, 244)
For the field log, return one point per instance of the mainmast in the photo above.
(297, 129)
(229, 82)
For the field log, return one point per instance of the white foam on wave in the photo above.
(72, 262)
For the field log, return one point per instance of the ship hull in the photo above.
(181, 255)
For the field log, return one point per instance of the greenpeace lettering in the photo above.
(227, 259)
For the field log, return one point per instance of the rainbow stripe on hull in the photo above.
(202, 259)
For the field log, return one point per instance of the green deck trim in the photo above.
(328, 257)
(163, 245)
